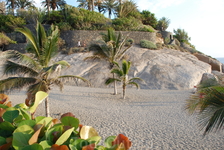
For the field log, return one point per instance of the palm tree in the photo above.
(25, 4)
(163, 24)
(11, 4)
(36, 69)
(89, 4)
(208, 104)
(126, 8)
(181, 35)
(110, 49)
(110, 7)
(99, 4)
(53, 4)
(122, 73)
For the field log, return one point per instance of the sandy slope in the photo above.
(152, 119)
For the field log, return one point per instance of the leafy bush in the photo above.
(9, 22)
(163, 24)
(149, 18)
(5, 40)
(19, 130)
(145, 28)
(159, 45)
(64, 26)
(125, 24)
(147, 44)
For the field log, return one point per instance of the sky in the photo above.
(203, 20)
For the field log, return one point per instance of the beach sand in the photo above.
(152, 119)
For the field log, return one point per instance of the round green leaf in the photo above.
(10, 115)
(33, 147)
(2, 140)
(7, 126)
(109, 140)
(30, 123)
(64, 136)
(3, 106)
(70, 121)
(46, 144)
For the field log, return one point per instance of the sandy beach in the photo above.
(152, 119)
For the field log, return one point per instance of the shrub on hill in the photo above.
(9, 22)
(147, 44)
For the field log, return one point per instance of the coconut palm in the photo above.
(111, 49)
(22, 4)
(36, 70)
(110, 6)
(89, 4)
(53, 4)
(126, 8)
(208, 104)
(122, 73)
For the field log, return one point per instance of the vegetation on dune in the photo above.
(19, 130)
(36, 69)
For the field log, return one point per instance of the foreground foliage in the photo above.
(208, 104)
(20, 132)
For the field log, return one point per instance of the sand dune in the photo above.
(152, 119)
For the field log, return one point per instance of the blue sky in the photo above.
(203, 20)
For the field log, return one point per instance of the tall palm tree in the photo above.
(25, 4)
(122, 73)
(99, 4)
(11, 4)
(110, 7)
(36, 69)
(111, 49)
(53, 4)
(89, 4)
(208, 104)
(125, 8)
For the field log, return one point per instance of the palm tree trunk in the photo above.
(92, 5)
(124, 91)
(47, 110)
(115, 86)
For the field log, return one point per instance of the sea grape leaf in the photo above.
(2, 140)
(109, 140)
(46, 144)
(25, 114)
(94, 139)
(56, 128)
(39, 97)
(25, 129)
(87, 132)
(30, 123)
(34, 138)
(3, 106)
(70, 121)
(20, 140)
(21, 105)
(33, 147)
(7, 126)
(39, 118)
(101, 148)
(46, 121)
(10, 115)
(64, 136)
(79, 143)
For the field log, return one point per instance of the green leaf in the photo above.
(10, 115)
(101, 148)
(70, 121)
(39, 118)
(55, 128)
(2, 140)
(7, 126)
(25, 114)
(21, 105)
(39, 97)
(3, 106)
(87, 132)
(64, 136)
(109, 140)
(24, 129)
(46, 144)
(30, 123)
(33, 147)
(79, 143)
(94, 139)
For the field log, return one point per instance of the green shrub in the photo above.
(125, 24)
(145, 28)
(64, 26)
(9, 22)
(147, 44)
(149, 18)
(20, 130)
(5, 40)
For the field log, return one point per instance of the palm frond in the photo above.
(126, 66)
(15, 83)
(136, 78)
(29, 35)
(21, 58)
(73, 78)
(42, 85)
(63, 63)
(134, 83)
(111, 80)
(12, 68)
(117, 72)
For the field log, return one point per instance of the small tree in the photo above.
(181, 35)
(122, 73)
(163, 24)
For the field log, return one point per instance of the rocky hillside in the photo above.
(160, 69)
